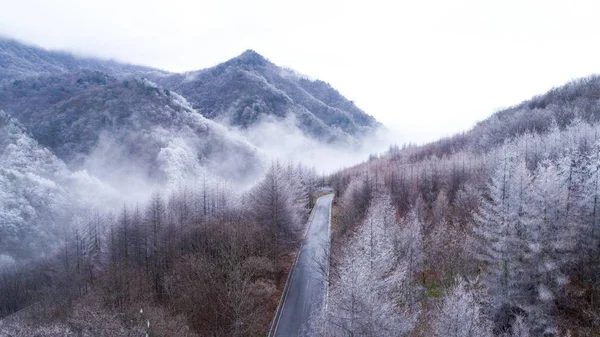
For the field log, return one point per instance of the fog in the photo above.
(153, 148)
(282, 140)
(111, 177)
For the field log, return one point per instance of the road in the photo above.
(306, 287)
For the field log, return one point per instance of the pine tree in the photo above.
(460, 314)
(498, 232)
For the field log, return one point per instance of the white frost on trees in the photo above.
(460, 314)
(370, 292)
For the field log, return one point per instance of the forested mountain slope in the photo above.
(38, 193)
(558, 108)
(115, 127)
(246, 89)
(494, 232)
(78, 100)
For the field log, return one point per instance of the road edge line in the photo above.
(327, 273)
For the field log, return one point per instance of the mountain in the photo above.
(18, 60)
(249, 89)
(95, 121)
(241, 92)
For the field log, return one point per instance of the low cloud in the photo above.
(283, 140)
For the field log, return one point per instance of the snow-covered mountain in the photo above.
(131, 127)
(240, 92)
(249, 88)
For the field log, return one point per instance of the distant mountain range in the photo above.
(240, 92)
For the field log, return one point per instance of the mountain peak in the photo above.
(251, 57)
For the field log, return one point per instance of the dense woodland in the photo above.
(202, 260)
(495, 232)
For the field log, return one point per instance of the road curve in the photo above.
(306, 288)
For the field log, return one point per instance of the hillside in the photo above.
(95, 121)
(38, 193)
(492, 232)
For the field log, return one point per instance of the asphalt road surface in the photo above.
(306, 288)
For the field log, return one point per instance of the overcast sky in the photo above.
(426, 68)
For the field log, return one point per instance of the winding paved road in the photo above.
(306, 288)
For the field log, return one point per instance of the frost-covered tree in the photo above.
(409, 250)
(279, 202)
(371, 290)
(499, 229)
(552, 227)
(32, 198)
(519, 328)
(460, 314)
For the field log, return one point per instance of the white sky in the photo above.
(427, 68)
